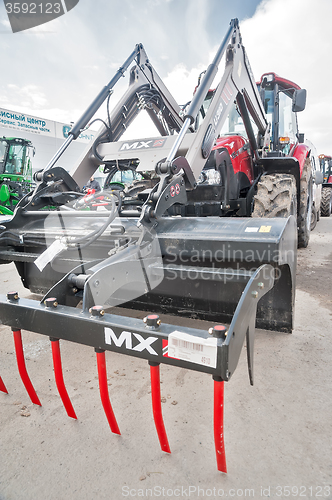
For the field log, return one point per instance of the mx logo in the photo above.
(24, 15)
(129, 339)
(157, 143)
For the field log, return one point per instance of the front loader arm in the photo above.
(146, 91)
(238, 84)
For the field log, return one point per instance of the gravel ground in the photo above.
(277, 433)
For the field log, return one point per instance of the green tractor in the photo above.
(15, 172)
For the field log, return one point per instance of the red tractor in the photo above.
(275, 191)
(263, 178)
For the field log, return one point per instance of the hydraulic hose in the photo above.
(90, 238)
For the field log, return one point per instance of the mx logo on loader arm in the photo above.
(24, 15)
(153, 143)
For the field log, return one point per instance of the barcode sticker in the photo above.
(52, 251)
(193, 349)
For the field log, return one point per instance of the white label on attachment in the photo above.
(251, 229)
(52, 251)
(193, 349)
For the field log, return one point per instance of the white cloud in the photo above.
(55, 114)
(292, 38)
(28, 96)
(5, 23)
(181, 82)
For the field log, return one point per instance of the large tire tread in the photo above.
(304, 217)
(275, 197)
(326, 202)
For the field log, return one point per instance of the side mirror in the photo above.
(299, 100)
(262, 90)
(318, 177)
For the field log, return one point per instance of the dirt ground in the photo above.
(277, 433)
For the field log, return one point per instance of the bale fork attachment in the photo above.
(215, 351)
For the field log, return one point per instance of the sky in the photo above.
(55, 70)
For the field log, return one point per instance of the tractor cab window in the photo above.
(269, 109)
(15, 161)
(233, 124)
(287, 123)
(284, 126)
(3, 148)
(126, 176)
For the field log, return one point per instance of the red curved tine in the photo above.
(22, 368)
(219, 425)
(156, 406)
(59, 378)
(2, 386)
(103, 388)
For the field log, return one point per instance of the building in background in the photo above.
(46, 136)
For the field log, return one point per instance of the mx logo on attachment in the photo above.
(24, 15)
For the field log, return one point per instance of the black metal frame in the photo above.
(88, 328)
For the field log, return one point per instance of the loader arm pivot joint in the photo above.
(170, 190)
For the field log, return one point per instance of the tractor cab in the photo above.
(326, 168)
(282, 99)
(15, 159)
(15, 172)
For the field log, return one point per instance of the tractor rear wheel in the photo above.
(326, 202)
(304, 215)
(276, 196)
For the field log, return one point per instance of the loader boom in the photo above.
(237, 83)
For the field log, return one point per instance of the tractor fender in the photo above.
(300, 152)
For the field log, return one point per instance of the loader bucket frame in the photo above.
(218, 348)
